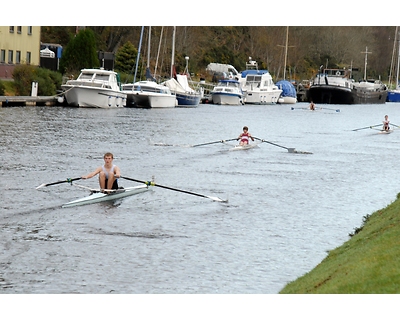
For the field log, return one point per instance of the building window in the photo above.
(11, 29)
(19, 30)
(29, 30)
(10, 56)
(28, 58)
(18, 57)
(2, 56)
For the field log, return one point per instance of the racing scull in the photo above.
(97, 196)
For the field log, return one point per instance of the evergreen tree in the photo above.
(125, 59)
(81, 52)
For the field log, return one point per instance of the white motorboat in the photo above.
(227, 92)
(149, 94)
(97, 196)
(257, 85)
(95, 88)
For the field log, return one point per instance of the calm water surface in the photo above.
(285, 210)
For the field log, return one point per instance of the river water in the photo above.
(285, 210)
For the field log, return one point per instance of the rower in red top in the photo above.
(386, 121)
(245, 136)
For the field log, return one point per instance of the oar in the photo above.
(219, 141)
(394, 125)
(151, 183)
(69, 180)
(369, 127)
(290, 150)
(337, 110)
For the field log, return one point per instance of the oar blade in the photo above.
(69, 180)
(217, 199)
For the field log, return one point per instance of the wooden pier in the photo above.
(22, 101)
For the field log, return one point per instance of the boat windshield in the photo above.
(86, 76)
(102, 77)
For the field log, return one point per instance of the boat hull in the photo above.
(262, 97)
(188, 100)
(224, 98)
(162, 101)
(102, 197)
(93, 97)
(289, 95)
(393, 96)
(327, 94)
(361, 96)
(385, 131)
(244, 147)
(287, 100)
(152, 100)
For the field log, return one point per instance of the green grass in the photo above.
(367, 263)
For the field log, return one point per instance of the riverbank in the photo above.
(367, 263)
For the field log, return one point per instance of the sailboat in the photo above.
(394, 94)
(289, 94)
(178, 83)
(148, 93)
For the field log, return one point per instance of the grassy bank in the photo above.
(369, 262)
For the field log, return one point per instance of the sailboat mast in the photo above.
(393, 57)
(158, 52)
(138, 55)
(398, 63)
(173, 51)
(148, 50)
(366, 62)
(286, 50)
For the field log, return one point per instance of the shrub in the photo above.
(48, 81)
(2, 88)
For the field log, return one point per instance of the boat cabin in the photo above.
(96, 78)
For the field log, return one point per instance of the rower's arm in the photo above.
(117, 172)
(92, 174)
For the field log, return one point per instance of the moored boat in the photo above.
(394, 94)
(369, 92)
(149, 94)
(332, 86)
(227, 92)
(257, 85)
(185, 95)
(179, 85)
(95, 88)
(289, 94)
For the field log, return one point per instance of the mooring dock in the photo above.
(21, 101)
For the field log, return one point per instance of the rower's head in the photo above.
(108, 155)
(245, 128)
